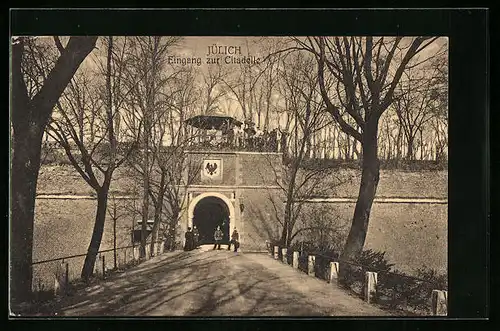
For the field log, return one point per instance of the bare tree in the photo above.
(212, 88)
(305, 111)
(170, 163)
(147, 105)
(320, 225)
(177, 171)
(366, 71)
(115, 215)
(241, 87)
(415, 103)
(252, 86)
(84, 125)
(440, 120)
(30, 113)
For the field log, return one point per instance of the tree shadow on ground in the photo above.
(212, 283)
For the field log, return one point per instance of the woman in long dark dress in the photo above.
(189, 236)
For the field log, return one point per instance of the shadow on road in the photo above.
(211, 283)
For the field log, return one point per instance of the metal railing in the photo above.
(248, 146)
(50, 275)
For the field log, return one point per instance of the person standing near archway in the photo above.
(196, 237)
(235, 240)
(218, 236)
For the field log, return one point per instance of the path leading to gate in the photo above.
(213, 283)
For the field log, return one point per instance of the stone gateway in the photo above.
(235, 189)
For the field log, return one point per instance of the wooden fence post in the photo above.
(60, 278)
(97, 266)
(439, 303)
(334, 273)
(284, 255)
(276, 254)
(57, 285)
(295, 262)
(268, 247)
(162, 247)
(103, 267)
(370, 288)
(136, 254)
(124, 257)
(154, 252)
(148, 251)
(310, 265)
(66, 276)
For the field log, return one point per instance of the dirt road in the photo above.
(213, 283)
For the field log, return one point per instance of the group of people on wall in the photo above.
(245, 136)
(192, 237)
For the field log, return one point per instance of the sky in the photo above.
(198, 47)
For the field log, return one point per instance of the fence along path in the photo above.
(212, 283)
(438, 299)
(245, 278)
(56, 274)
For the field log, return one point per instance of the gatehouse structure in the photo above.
(235, 183)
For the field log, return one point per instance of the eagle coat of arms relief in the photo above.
(212, 169)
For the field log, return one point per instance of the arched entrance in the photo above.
(209, 210)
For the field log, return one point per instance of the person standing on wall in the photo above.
(212, 136)
(218, 235)
(235, 240)
(235, 136)
(196, 237)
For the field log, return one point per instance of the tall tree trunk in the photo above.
(410, 154)
(154, 234)
(24, 177)
(158, 211)
(285, 232)
(288, 219)
(399, 148)
(145, 208)
(368, 188)
(348, 148)
(100, 218)
(421, 144)
(145, 178)
(284, 145)
(389, 147)
(114, 242)
(29, 118)
(172, 229)
(355, 152)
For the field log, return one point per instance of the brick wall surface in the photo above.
(260, 169)
(260, 220)
(411, 234)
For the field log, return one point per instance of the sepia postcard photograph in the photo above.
(160, 175)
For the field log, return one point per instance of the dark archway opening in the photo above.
(209, 213)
